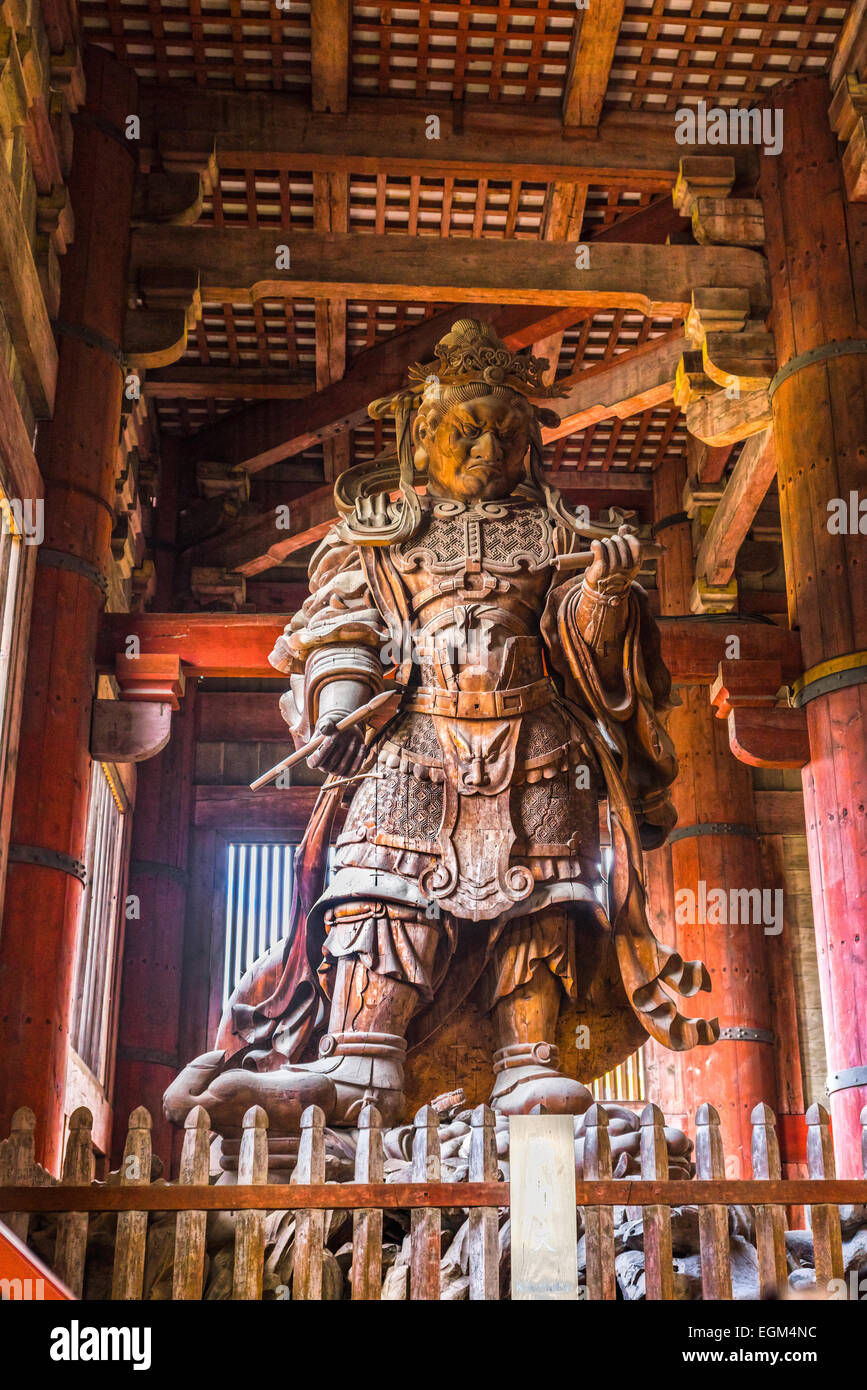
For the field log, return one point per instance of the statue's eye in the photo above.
(471, 431)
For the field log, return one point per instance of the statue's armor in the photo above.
(484, 789)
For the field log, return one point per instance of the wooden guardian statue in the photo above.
(528, 687)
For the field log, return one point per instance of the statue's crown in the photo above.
(472, 353)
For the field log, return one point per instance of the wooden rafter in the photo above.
(624, 386)
(590, 59)
(272, 431)
(330, 26)
(744, 493)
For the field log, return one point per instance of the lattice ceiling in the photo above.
(668, 50)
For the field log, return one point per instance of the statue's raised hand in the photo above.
(617, 560)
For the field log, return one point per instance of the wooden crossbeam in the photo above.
(238, 265)
(274, 130)
(237, 645)
(744, 493)
(261, 436)
(590, 60)
(628, 384)
(258, 544)
(330, 28)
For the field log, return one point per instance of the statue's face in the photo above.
(478, 449)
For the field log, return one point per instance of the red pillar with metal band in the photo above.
(816, 253)
(714, 847)
(76, 452)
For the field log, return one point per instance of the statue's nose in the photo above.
(488, 446)
(477, 776)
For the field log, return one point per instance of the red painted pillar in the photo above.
(715, 843)
(76, 452)
(817, 252)
(149, 1020)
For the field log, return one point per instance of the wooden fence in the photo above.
(27, 1189)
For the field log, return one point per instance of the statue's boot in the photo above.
(228, 1094)
(526, 1065)
(364, 1051)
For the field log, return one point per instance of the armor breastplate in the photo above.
(477, 577)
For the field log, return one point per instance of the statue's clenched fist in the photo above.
(342, 752)
(617, 560)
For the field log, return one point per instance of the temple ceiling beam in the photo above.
(271, 130)
(243, 264)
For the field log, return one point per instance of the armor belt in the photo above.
(482, 704)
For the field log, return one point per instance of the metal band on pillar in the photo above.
(847, 1080)
(837, 674)
(59, 560)
(149, 1054)
(48, 859)
(92, 338)
(152, 867)
(688, 832)
(847, 347)
(740, 1034)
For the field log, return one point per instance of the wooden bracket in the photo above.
(129, 732)
(761, 732)
(150, 679)
(728, 222)
(715, 310)
(168, 306)
(713, 598)
(702, 176)
(848, 115)
(222, 480)
(214, 586)
(168, 199)
(721, 418)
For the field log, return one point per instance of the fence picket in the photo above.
(824, 1218)
(484, 1250)
(367, 1225)
(250, 1225)
(132, 1226)
(310, 1225)
(189, 1270)
(425, 1222)
(78, 1169)
(658, 1260)
(770, 1218)
(18, 1165)
(598, 1221)
(713, 1221)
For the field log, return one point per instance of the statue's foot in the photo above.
(228, 1094)
(363, 1068)
(527, 1077)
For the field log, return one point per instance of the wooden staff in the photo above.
(583, 558)
(356, 717)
